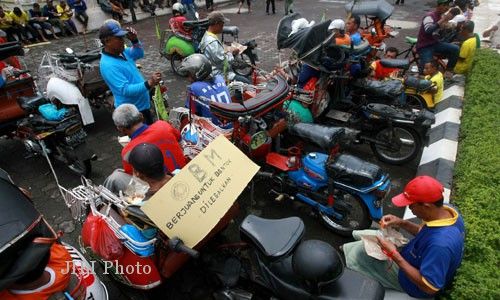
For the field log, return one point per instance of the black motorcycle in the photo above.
(63, 140)
(277, 262)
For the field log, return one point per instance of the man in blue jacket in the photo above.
(119, 71)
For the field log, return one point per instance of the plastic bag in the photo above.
(103, 241)
(50, 112)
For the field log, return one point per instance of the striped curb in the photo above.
(438, 158)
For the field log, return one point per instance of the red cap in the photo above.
(424, 189)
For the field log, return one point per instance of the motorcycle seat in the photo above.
(417, 83)
(31, 103)
(277, 90)
(324, 136)
(274, 238)
(232, 30)
(395, 63)
(353, 170)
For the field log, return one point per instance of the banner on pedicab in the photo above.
(191, 204)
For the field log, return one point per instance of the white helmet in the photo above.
(178, 7)
(337, 24)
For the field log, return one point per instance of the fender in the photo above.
(69, 94)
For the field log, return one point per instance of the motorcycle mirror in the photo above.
(69, 51)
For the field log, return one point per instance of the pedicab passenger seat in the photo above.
(417, 83)
(395, 63)
(273, 237)
(276, 91)
(31, 103)
(324, 136)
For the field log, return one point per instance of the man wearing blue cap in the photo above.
(119, 71)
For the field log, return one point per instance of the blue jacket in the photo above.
(79, 7)
(124, 79)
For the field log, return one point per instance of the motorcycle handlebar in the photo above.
(177, 245)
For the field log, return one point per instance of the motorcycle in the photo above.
(70, 79)
(175, 47)
(346, 191)
(62, 138)
(273, 261)
(24, 246)
(395, 135)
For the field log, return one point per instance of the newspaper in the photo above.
(234, 46)
(372, 247)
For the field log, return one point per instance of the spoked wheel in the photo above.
(243, 65)
(396, 146)
(354, 215)
(415, 102)
(175, 62)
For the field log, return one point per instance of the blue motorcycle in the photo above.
(346, 191)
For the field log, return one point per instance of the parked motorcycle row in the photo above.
(296, 135)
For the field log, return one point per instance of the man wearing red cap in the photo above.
(428, 262)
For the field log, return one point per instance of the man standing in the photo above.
(119, 71)
(212, 48)
(129, 121)
(427, 264)
(80, 8)
(288, 7)
(428, 36)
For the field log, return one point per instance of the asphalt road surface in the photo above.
(33, 173)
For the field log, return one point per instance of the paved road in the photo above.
(34, 174)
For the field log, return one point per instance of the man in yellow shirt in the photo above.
(467, 50)
(6, 25)
(66, 15)
(20, 21)
(432, 73)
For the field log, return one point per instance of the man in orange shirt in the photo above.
(380, 72)
(338, 27)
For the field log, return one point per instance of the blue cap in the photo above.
(111, 28)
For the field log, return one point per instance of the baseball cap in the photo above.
(337, 24)
(147, 159)
(216, 17)
(111, 28)
(421, 189)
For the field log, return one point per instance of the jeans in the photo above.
(83, 18)
(450, 51)
(306, 72)
(190, 11)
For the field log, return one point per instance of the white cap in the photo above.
(459, 19)
(337, 24)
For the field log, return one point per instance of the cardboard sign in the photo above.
(193, 201)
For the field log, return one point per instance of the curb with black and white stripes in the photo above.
(438, 158)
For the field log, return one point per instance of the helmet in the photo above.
(178, 7)
(337, 24)
(197, 65)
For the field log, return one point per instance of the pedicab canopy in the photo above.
(193, 202)
(378, 8)
(20, 224)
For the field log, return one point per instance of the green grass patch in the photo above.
(476, 181)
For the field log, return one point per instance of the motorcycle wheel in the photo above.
(398, 148)
(354, 218)
(415, 102)
(245, 65)
(175, 62)
(82, 168)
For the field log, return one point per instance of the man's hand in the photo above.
(154, 79)
(132, 34)
(386, 246)
(390, 221)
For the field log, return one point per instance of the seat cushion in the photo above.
(395, 63)
(274, 238)
(353, 170)
(417, 83)
(324, 136)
